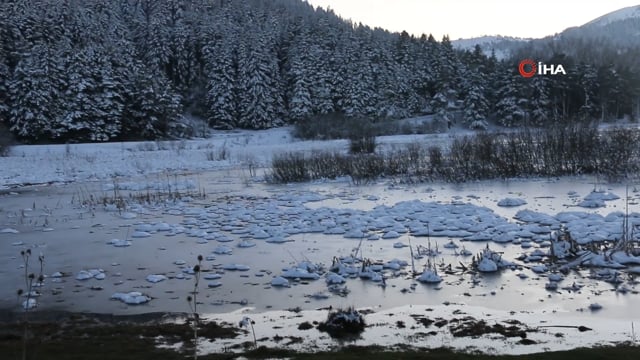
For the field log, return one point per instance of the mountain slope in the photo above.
(620, 28)
(631, 12)
(615, 32)
(501, 46)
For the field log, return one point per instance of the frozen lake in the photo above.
(283, 225)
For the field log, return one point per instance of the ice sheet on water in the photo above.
(391, 235)
(298, 273)
(140, 234)
(222, 250)
(131, 298)
(214, 284)
(592, 204)
(128, 215)
(236, 267)
(333, 278)
(511, 202)
(155, 278)
(531, 216)
(97, 274)
(601, 195)
(246, 244)
(119, 243)
(280, 281)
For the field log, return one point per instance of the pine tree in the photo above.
(322, 40)
(260, 99)
(539, 104)
(508, 109)
(300, 74)
(79, 111)
(609, 92)
(475, 105)
(588, 83)
(151, 104)
(34, 93)
(4, 80)
(221, 65)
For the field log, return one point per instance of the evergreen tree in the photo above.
(301, 58)
(221, 72)
(475, 107)
(539, 113)
(588, 84)
(34, 94)
(355, 83)
(151, 104)
(609, 92)
(508, 108)
(260, 99)
(4, 80)
(475, 104)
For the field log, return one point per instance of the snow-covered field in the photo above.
(37, 164)
(268, 248)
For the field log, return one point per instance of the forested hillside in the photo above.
(97, 70)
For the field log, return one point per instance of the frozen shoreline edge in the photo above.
(383, 329)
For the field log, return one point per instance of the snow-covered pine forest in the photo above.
(129, 69)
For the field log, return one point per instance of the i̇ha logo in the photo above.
(528, 68)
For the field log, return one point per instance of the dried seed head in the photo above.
(40, 278)
(28, 251)
(32, 276)
(196, 268)
(189, 298)
(20, 292)
(199, 257)
(22, 252)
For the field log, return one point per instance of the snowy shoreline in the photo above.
(47, 164)
(459, 327)
(420, 326)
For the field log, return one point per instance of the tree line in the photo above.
(129, 69)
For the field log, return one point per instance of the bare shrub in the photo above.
(220, 154)
(570, 150)
(362, 144)
(289, 167)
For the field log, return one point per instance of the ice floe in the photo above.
(131, 298)
(119, 243)
(512, 202)
(236, 267)
(97, 274)
(279, 281)
(155, 278)
(299, 273)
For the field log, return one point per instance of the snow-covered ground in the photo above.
(38, 164)
(274, 247)
(405, 326)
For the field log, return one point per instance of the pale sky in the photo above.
(472, 18)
